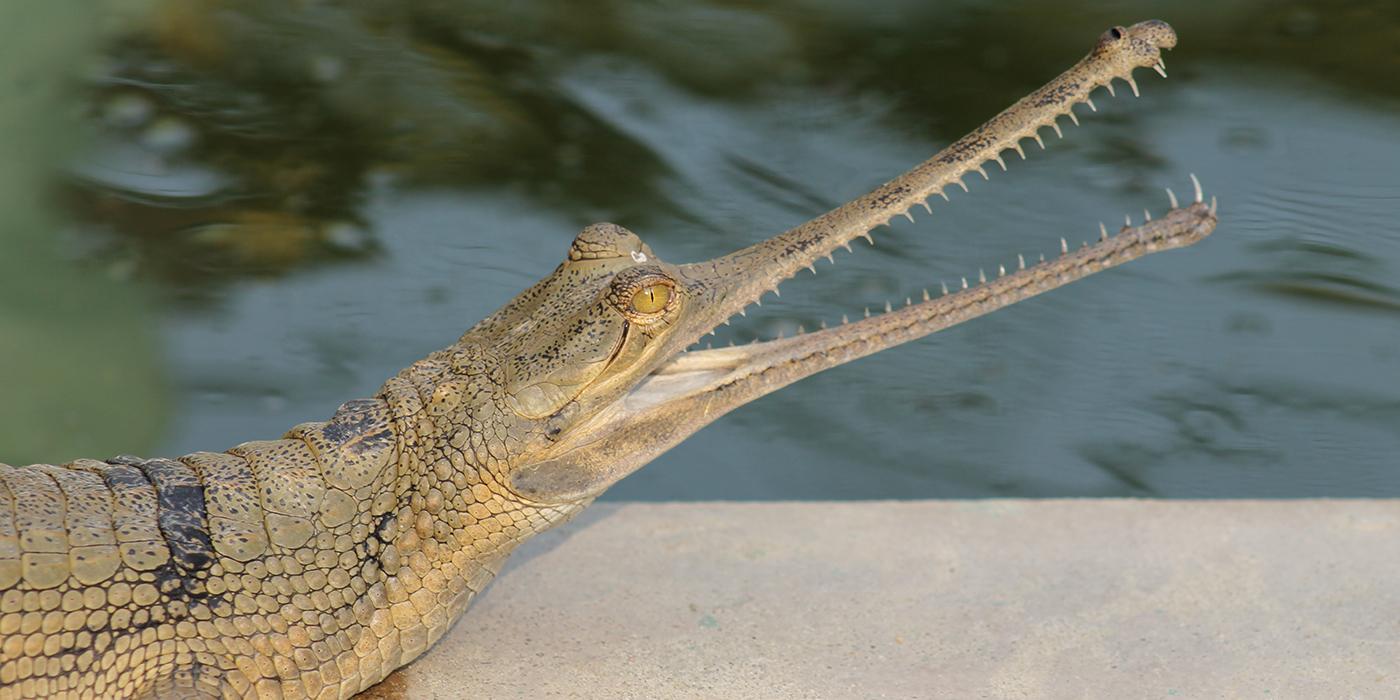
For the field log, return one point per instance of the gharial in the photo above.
(315, 564)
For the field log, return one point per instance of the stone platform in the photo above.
(938, 599)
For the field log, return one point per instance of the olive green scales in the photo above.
(316, 564)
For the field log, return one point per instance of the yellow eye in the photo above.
(651, 299)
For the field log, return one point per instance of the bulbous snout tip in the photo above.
(1156, 32)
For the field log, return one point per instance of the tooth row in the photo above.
(1033, 133)
(1020, 260)
(1015, 144)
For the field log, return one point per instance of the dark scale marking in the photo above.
(123, 480)
(351, 419)
(122, 475)
(892, 196)
(1058, 95)
(181, 515)
(964, 149)
(176, 584)
(370, 443)
(337, 431)
(385, 529)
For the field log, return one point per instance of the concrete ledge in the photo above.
(963, 599)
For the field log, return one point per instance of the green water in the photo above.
(235, 216)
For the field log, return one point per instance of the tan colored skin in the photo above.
(313, 565)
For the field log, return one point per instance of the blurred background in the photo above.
(220, 219)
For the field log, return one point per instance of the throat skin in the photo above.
(313, 565)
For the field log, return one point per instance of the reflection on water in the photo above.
(315, 195)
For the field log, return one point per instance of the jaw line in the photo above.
(749, 371)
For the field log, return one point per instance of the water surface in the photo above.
(270, 209)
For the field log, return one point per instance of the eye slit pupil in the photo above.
(651, 298)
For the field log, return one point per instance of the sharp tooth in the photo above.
(758, 301)
(1064, 246)
(1056, 126)
(1090, 102)
(1161, 69)
(908, 216)
(943, 194)
(801, 329)
(1172, 196)
(983, 172)
(830, 259)
(1020, 261)
(1127, 221)
(1133, 84)
(1019, 152)
(1111, 91)
(744, 313)
(813, 268)
(867, 312)
(981, 276)
(888, 308)
(1000, 162)
(1001, 270)
(1042, 257)
(1212, 205)
(845, 319)
(962, 184)
(927, 208)
(945, 288)
(1072, 118)
(964, 281)
(823, 324)
(1103, 232)
(1197, 184)
(926, 294)
(1038, 140)
(777, 293)
(869, 239)
(726, 321)
(1146, 215)
(846, 245)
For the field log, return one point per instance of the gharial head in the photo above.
(591, 368)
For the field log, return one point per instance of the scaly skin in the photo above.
(313, 565)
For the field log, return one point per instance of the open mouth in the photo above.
(699, 371)
(733, 282)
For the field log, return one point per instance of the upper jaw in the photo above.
(730, 283)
